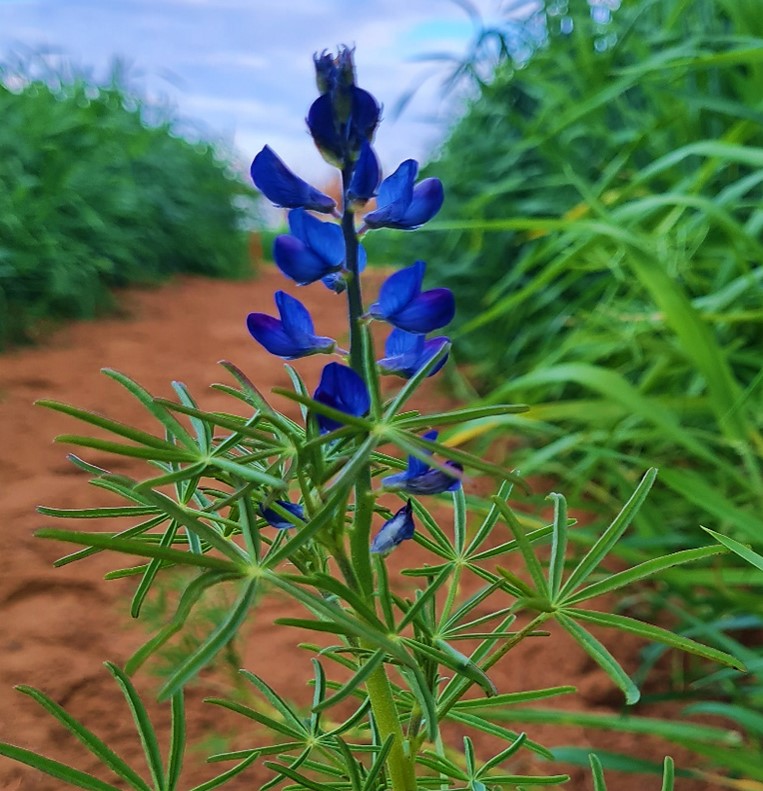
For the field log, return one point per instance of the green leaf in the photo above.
(512, 698)
(222, 779)
(647, 569)
(459, 416)
(744, 552)
(656, 633)
(355, 683)
(140, 548)
(149, 575)
(177, 742)
(215, 642)
(113, 426)
(95, 745)
(189, 520)
(601, 656)
(133, 451)
(200, 427)
(55, 769)
(143, 724)
(275, 700)
(598, 773)
(145, 398)
(294, 732)
(377, 766)
(558, 545)
(611, 535)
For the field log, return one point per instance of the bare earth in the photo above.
(59, 625)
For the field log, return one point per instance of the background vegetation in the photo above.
(92, 196)
(602, 232)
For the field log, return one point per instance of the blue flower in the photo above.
(281, 522)
(341, 388)
(406, 353)
(284, 188)
(293, 335)
(420, 478)
(344, 116)
(314, 250)
(403, 304)
(394, 531)
(400, 204)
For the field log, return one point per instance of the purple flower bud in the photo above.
(394, 531)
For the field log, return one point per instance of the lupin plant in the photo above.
(298, 508)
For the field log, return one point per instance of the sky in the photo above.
(243, 69)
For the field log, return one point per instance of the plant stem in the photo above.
(399, 765)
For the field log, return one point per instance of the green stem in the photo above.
(399, 765)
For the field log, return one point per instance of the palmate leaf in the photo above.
(225, 631)
(601, 656)
(655, 633)
(146, 734)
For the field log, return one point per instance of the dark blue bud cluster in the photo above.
(342, 122)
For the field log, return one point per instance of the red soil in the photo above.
(59, 625)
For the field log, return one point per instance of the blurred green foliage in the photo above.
(602, 233)
(92, 197)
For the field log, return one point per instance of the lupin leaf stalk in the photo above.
(271, 504)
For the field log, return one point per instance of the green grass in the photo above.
(93, 197)
(602, 233)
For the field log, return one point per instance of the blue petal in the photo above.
(323, 128)
(271, 334)
(297, 261)
(428, 311)
(394, 198)
(403, 351)
(280, 522)
(365, 176)
(365, 116)
(283, 187)
(294, 315)
(427, 199)
(407, 353)
(394, 531)
(398, 290)
(396, 481)
(325, 239)
(435, 481)
(431, 348)
(343, 389)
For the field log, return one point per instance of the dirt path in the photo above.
(59, 625)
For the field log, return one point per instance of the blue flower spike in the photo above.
(401, 204)
(394, 531)
(293, 335)
(420, 478)
(275, 519)
(343, 117)
(403, 304)
(285, 189)
(406, 353)
(343, 389)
